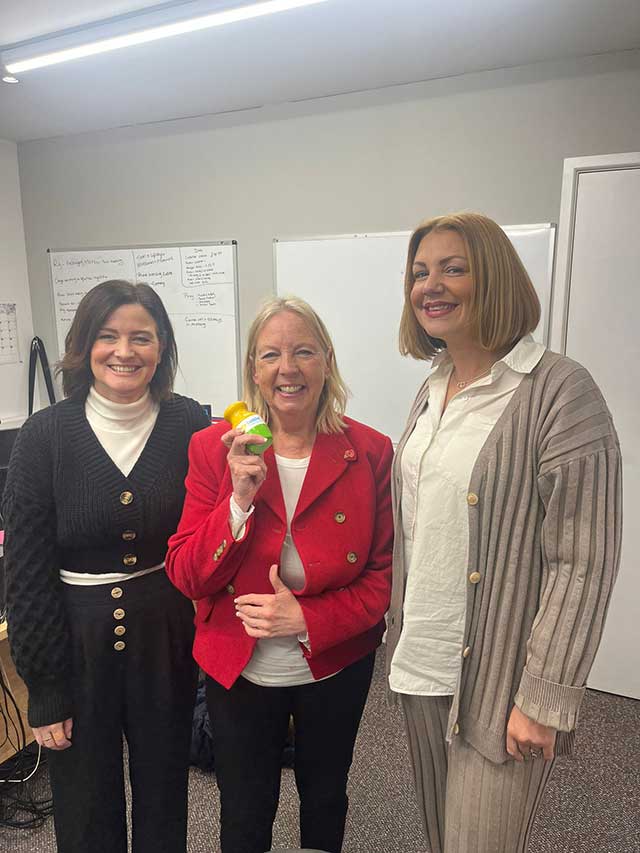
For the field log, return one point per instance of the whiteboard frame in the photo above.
(236, 287)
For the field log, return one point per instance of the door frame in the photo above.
(574, 167)
(560, 293)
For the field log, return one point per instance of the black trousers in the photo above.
(144, 691)
(250, 725)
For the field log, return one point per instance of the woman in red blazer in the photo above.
(288, 556)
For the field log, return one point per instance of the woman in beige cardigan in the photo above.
(507, 490)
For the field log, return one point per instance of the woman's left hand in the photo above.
(527, 739)
(277, 615)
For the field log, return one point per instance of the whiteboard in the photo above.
(356, 284)
(595, 322)
(198, 286)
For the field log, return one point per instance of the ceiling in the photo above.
(335, 47)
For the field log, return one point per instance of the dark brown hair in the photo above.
(91, 315)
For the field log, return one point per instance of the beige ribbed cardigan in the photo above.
(545, 515)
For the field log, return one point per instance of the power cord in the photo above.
(20, 807)
(26, 778)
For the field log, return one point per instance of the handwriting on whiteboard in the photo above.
(197, 288)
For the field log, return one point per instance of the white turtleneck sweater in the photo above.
(122, 429)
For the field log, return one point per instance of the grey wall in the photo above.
(380, 161)
(14, 288)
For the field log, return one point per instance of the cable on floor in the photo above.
(20, 806)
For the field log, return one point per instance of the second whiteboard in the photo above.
(356, 284)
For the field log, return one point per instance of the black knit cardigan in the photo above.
(66, 505)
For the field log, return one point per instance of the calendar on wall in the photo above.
(9, 348)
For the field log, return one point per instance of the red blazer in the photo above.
(342, 529)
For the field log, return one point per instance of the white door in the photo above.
(596, 321)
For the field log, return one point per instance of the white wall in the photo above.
(493, 142)
(14, 287)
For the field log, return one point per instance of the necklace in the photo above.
(462, 383)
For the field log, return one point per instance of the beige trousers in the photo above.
(468, 804)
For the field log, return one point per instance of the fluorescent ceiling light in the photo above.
(216, 19)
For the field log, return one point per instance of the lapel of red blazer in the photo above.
(332, 454)
(270, 491)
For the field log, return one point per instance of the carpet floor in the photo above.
(592, 804)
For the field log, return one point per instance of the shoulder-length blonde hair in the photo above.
(504, 305)
(333, 398)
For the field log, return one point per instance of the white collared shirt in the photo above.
(437, 463)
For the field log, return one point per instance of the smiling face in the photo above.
(442, 286)
(125, 354)
(290, 369)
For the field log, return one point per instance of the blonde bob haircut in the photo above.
(504, 305)
(334, 395)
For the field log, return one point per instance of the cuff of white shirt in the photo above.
(238, 519)
(304, 639)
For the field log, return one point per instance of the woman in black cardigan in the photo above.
(100, 637)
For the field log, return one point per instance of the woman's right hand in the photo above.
(248, 470)
(54, 736)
